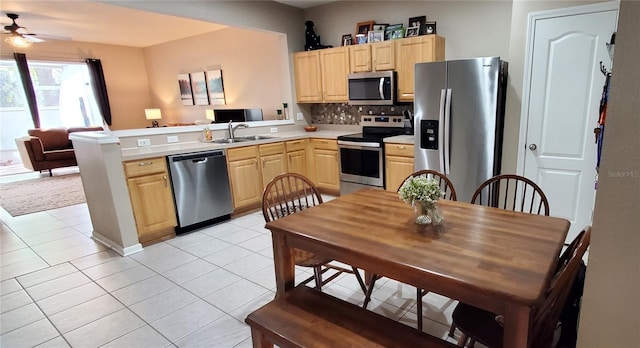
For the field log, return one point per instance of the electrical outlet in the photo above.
(299, 116)
(274, 130)
(144, 142)
(172, 139)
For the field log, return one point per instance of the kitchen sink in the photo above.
(241, 139)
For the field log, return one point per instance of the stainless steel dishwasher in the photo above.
(201, 189)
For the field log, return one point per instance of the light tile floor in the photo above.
(59, 288)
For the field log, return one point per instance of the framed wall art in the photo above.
(215, 87)
(199, 88)
(184, 82)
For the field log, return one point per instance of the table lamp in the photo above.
(153, 114)
(210, 115)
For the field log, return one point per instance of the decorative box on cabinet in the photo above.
(151, 199)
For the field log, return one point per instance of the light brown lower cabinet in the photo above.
(245, 177)
(327, 167)
(398, 164)
(151, 199)
(297, 156)
(273, 160)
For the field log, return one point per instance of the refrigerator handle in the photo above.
(447, 127)
(381, 88)
(443, 95)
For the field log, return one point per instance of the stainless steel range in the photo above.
(362, 154)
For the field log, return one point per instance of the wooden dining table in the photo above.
(494, 259)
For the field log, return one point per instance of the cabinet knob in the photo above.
(145, 163)
(401, 147)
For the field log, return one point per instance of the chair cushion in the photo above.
(479, 324)
(58, 155)
(52, 138)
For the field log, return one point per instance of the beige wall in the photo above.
(252, 71)
(610, 314)
(124, 69)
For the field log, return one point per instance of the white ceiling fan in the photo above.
(18, 36)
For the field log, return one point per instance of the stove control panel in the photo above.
(382, 121)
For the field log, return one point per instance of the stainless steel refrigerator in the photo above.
(459, 119)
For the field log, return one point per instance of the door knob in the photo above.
(533, 147)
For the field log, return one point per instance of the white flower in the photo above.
(420, 188)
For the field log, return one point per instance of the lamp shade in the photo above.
(152, 114)
(210, 115)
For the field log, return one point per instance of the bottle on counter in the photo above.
(285, 106)
(279, 112)
(208, 134)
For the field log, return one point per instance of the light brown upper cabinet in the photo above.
(334, 64)
(412, 50)
(376, 56)
(308, 77)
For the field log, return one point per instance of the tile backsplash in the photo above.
(344, 113)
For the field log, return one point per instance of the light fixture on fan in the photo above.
(17, 40)
(153, 114)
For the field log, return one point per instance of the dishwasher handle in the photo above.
(196, 157)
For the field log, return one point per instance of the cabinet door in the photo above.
(308, 77)
(409, 51)
(272, 165)
(397, 168)
(152, 204)
(383, 55)
(246, 183)
(297, 162)
(335, 68)
(360, 58)
(327, 171)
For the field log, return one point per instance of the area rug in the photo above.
(30, 196)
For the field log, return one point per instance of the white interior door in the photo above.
(561, 109)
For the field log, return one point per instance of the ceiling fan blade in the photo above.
(32, 37)
(52, 37)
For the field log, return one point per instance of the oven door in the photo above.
(361, 163)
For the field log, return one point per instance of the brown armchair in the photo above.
(47, 149)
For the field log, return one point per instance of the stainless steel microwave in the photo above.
(372, 88)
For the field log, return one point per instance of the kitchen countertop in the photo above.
(401, 139)
(195, 146)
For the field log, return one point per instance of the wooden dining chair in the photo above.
(287, 194)
(449, 193)
(478, 325)
(512, 192)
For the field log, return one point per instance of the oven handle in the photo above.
(358, 144)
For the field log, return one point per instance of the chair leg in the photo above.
(50, 173)
(317, 274)
(367, 296)
(462, 341)
(419, 307)
(452, 330)
(360, 281)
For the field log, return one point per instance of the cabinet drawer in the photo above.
(296, 145)
(145, 167)
(240, 153)
(325, 144)
(271, 149)
(405, 150)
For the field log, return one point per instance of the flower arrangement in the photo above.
(421, 189)
(422, 193)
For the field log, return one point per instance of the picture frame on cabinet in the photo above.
(199, 88)
(347, 40)
(430, 28)
(361, 39)
(394, 31)
(375, 36)
(418, 22)
(380, 26)
(364, 27)
(412, 31)
(215, 87)
(184, 83)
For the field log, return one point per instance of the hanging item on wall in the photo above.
(199, 88)
(599, 131)
(184, 82)
(215, 87)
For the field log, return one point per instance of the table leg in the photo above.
(283, 263)
(517, 325)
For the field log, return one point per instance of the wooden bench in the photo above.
(306, 317)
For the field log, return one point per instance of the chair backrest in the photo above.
(288, 193)
(548, 314)
(443, 181)
(512, 192)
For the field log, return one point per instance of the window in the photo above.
(64, 95)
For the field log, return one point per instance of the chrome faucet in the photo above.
(233, 128)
